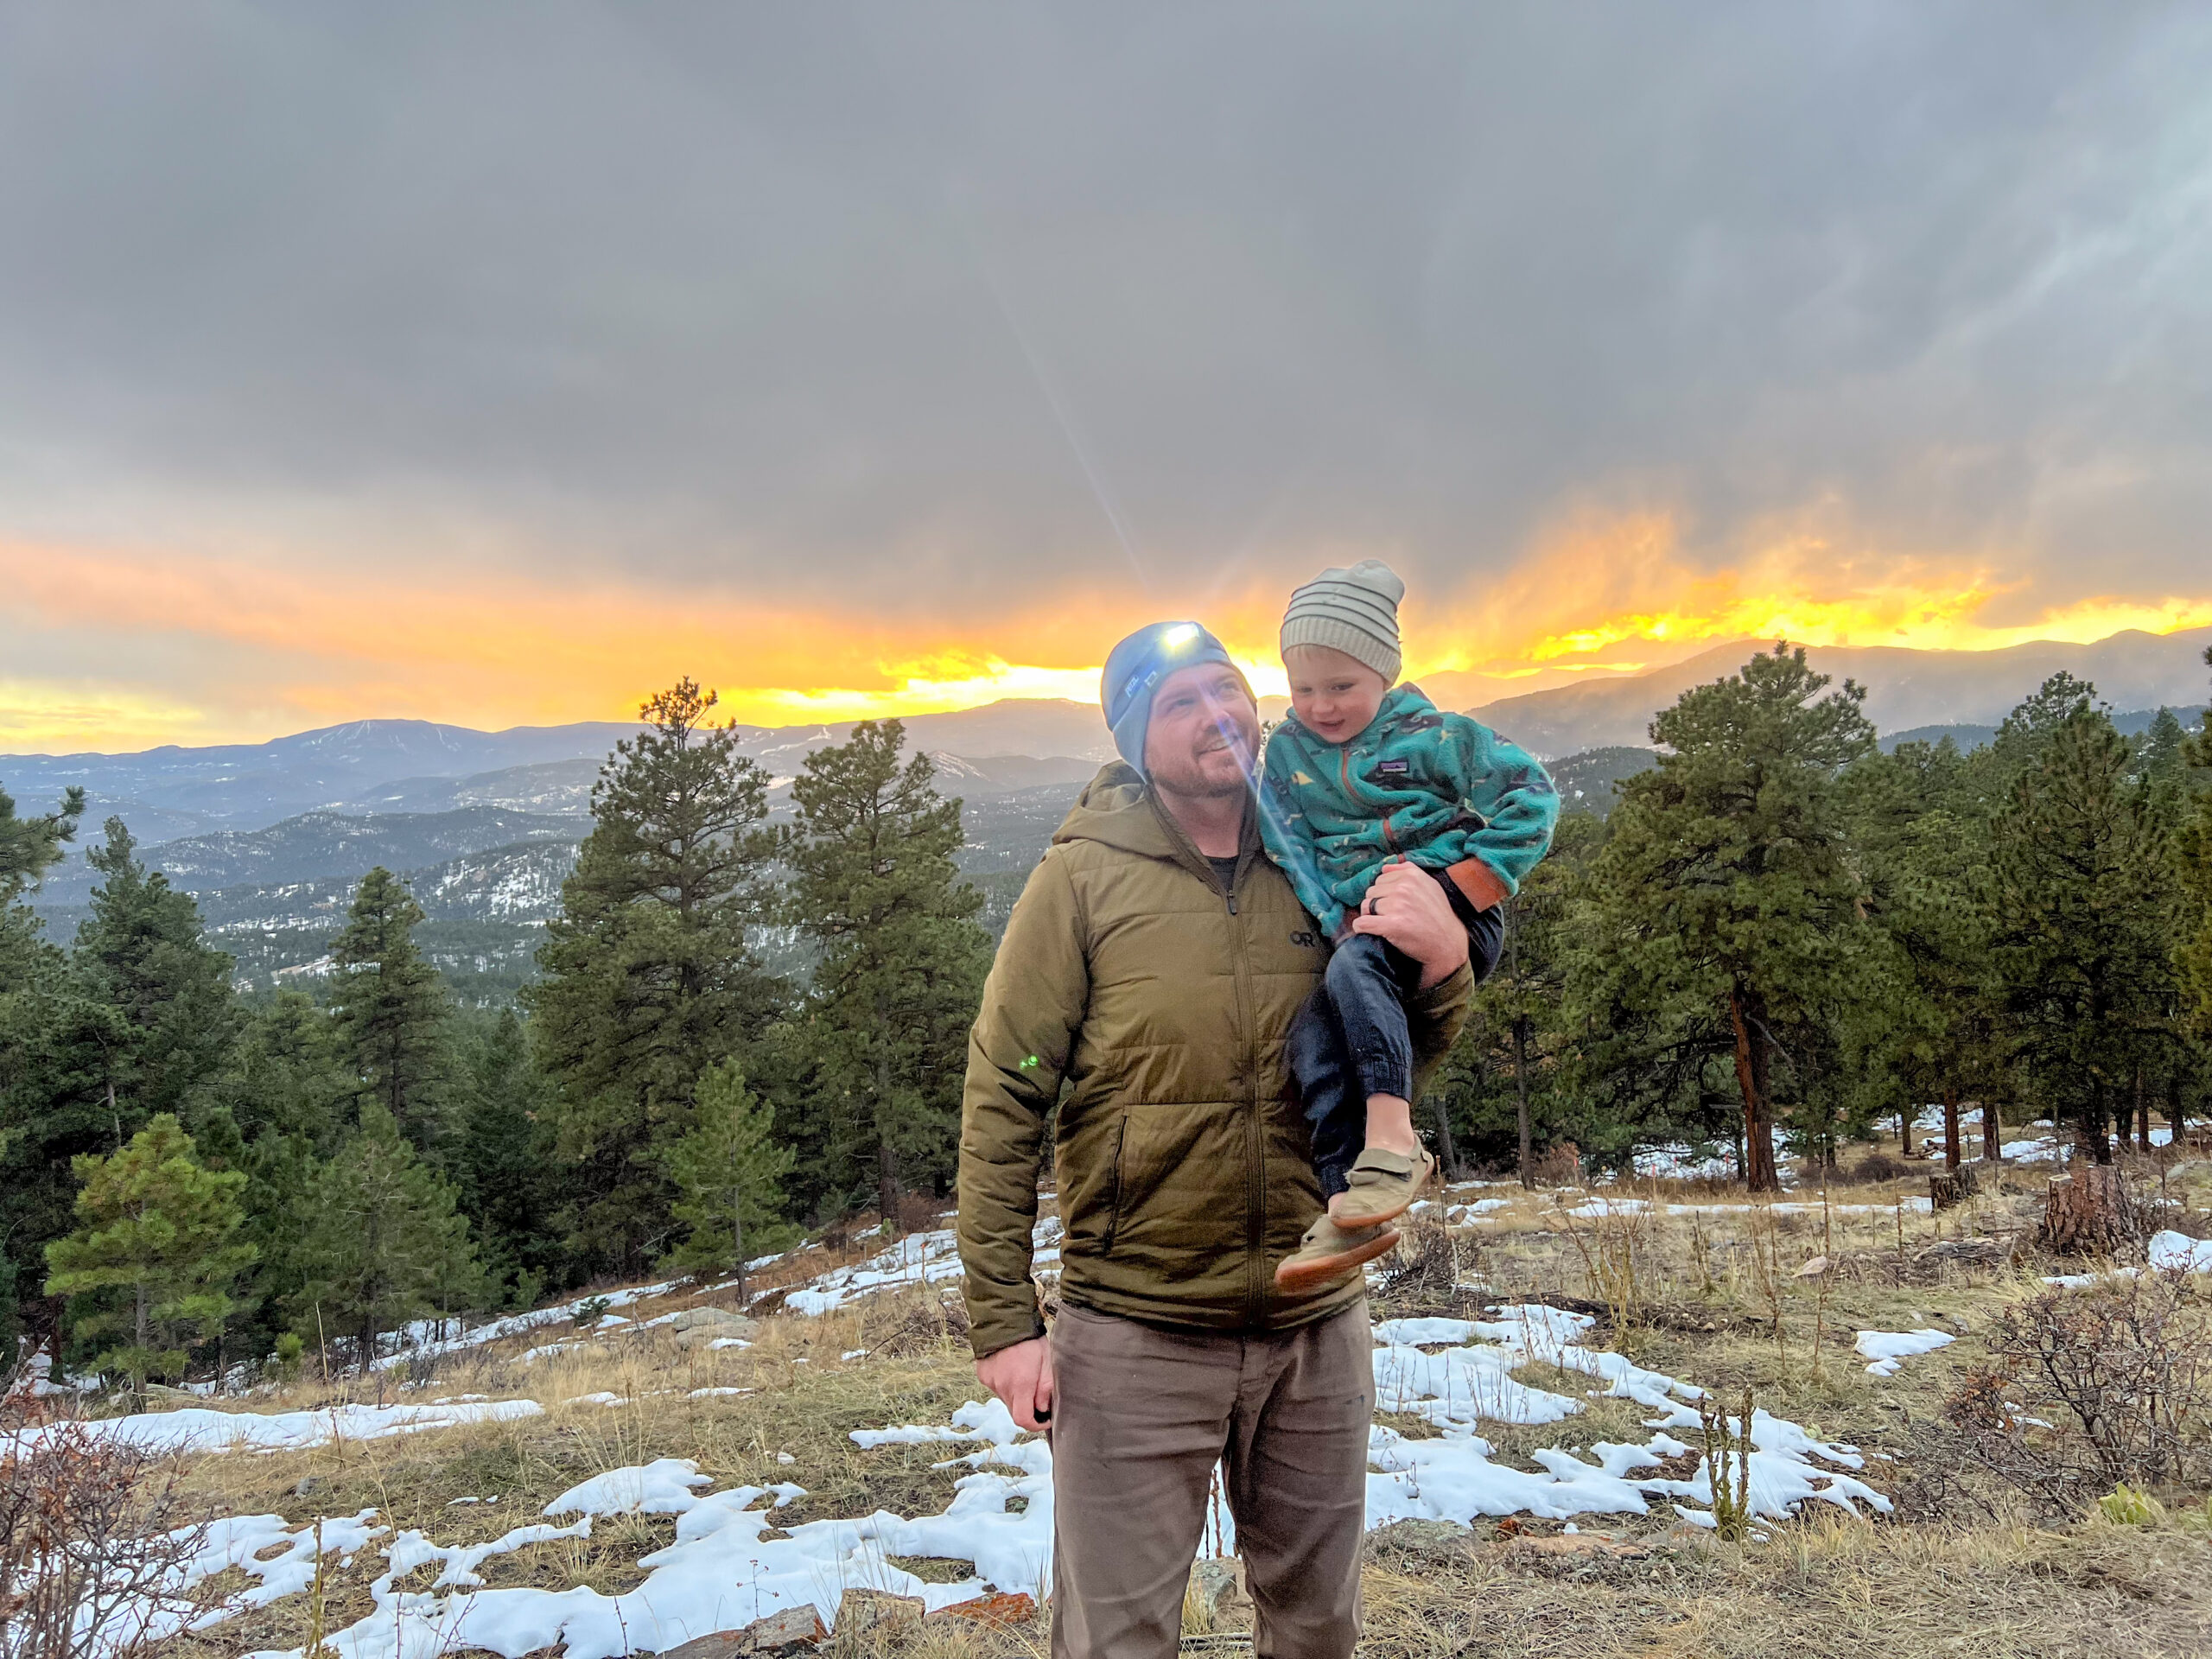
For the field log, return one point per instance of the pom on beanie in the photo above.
(1354, 611)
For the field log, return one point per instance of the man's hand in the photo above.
(1022, 1376)
(1408, 909)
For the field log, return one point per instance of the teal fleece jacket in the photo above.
(1433, 788)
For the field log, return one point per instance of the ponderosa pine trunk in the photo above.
(2096, 1124)
(2142, 1111)
(737, 1240)
(886, 1165)
(1950, 1128)
(138, 1330)
(1445, 1148)
(1521, 1085)
(1748, 1012)
(1990, 1140)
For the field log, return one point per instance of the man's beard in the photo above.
(1194, 782)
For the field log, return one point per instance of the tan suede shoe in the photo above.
(1329, 1253)
(1381, 1186)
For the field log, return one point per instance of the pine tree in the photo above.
(35, 1190)
(141, 956)
(1927, 1025)
(884, 1030)
(157, 1227)
(2082, 922)
(648, 979)
(503, 1164)
(2028, 731)
(382, 1243)
(2193, 869)
(1723, 910)
(391, 1008)
(29, 846)
(730, 1170)
(1517, 1009)
(288, 1075)
(136, 1020)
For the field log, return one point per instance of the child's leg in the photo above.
(1322, 1070)
(1367, 990)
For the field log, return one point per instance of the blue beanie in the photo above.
(1136, 667)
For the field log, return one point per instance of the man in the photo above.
(1148, 980)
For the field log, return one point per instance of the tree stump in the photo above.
(2089, 1212)
(1944, 1191)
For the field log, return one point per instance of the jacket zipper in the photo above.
(1255, 1156)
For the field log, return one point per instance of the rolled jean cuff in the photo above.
(1384, 1073)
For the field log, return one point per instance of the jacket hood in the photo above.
(1117, 810)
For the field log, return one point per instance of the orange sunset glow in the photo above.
(468, 653)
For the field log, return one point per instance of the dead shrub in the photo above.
(1557, 1165)
(2084, 1390)
(927, 1322)
(1423, 1273)
(1877, 1166)
(94, 1544)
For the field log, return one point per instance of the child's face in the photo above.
(1334, 696)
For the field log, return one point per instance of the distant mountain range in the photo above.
(1904, 688)
(273, 837)
(414, 765)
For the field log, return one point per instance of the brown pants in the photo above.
(1140, 1417)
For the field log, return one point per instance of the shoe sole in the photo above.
(1351, 1223)
(1296, 1275)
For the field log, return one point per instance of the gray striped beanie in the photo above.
(1353, 611)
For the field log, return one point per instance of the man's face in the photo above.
(1203, 733)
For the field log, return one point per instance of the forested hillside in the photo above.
(743, 1018)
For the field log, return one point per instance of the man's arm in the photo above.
(1033, 1002)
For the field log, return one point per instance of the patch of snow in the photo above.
(2178, 1253)
(1887, 1349)
(665, 1487)
(2168, 1252)
(198, 1428)
(721, 1573)
(427, 1337)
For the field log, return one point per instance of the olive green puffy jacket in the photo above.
(1163, 1003)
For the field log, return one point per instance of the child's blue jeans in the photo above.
(1351, 1039)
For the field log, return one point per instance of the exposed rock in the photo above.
(1016, 1609)
(795, 1630)
(1217, 1586)
(692, 1318)
(1814, 1269)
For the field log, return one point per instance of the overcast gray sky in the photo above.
(996, 329)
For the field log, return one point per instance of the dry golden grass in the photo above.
(1689, 1297)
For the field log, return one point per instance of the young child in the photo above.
(1364, 772)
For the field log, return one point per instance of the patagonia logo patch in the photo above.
(1391, 768)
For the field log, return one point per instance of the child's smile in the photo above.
(1334, 695)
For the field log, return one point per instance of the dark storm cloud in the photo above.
(948, 297)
